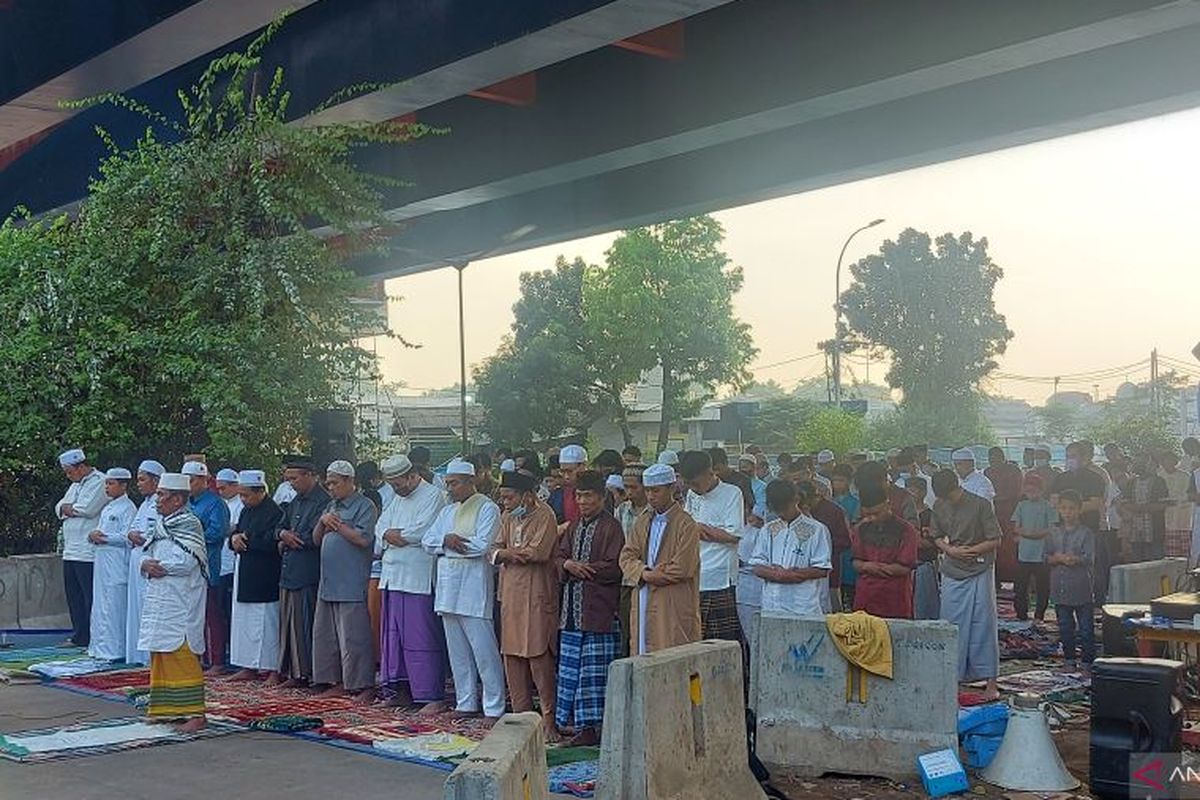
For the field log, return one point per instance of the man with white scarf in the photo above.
(466, 592)
(110, 577)
(79, 510)
(144, 521)
(969, 477)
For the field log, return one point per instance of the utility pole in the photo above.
(1154, 393)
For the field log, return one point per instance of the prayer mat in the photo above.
(116, 683)
(432, 747)
(286, 723)
(1046, 682)
(96, 738)
(1026, 640)
(578, 778)
(70, 668)
(557, 756)
(21, 658)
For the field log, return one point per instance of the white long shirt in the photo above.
(722, 507)
(408, 568)
(228, 557)
(173, 612)
(88, 499)
(143, 522)
(658, 528)
(979, 485)
(110, 581)
(803, 543)
(749, 585)
(465, 581)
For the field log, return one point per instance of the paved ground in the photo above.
(246, 766)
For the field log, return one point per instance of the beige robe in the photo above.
(529, 592)
(673, 611)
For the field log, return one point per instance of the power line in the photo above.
(787, 361)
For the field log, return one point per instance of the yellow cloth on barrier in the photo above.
(863, 640)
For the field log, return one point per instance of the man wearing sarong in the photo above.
(663, 557)
(412, 658)
(140, 529)
(213, 514)
(79, 509)
(300, 570)
(720, 517)
(524, 550)
(343, 644)
(965, 529)
(589, 562)
(110, 576)
(461, 537)
(254, 627)
(175, 562)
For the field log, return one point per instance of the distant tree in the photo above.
(665, 298)
(1147, 418)
(931, 306)
(831, 428)
(759, 390)
(779, 421)
(1059, 422)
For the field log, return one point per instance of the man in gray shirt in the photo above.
(966, 531)
(343, 645)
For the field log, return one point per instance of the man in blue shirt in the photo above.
(748, 466)
(213, 514)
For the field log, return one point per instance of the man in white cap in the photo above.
(213, 514)
(176, 563)
(254, 622)
(79, 509)
(461, 536)
(572, 460)
(227, 490)
(826, 461)
(972, 480)
(144, 522)
(662, 558)
(412, 658)
(343, 645)
(110, 577)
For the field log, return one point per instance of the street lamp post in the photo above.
(837, 319)
(462, 360)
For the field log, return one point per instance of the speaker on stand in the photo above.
(332, 433)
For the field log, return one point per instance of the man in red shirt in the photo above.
(885, 554)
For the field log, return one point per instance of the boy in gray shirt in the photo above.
(1071, 554)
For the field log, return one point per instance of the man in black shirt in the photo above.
(1081, 478)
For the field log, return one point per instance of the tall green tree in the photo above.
(190, 305)
(665, 298)
(931, 305)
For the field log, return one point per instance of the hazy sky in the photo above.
(1096, 234)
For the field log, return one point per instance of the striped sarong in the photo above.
(583, 660)
(719, 616)
(176, 684)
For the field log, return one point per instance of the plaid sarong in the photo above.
(176, 684)
(719, 617)
(583, 660)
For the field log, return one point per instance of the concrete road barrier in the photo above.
(31, 592)
(811, 720)
(509, 764)
(675, 727)
(1144, 581)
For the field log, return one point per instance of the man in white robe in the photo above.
(227, 489)
(466, 592)
(110, 576)
(79, 510)
(144, 522)
(970, 478)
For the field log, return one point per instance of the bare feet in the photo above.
(194, 724)
(991, 692)
(365, 697)
(490, 721)
(433, 709)
(335, 690)
(551, 731)
(294, 683)
(244, 675)
(215, 671)
(274, 679)
(465, 714)
(588, 737)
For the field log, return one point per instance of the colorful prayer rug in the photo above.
(20, 658)
(577, 778)
(95, 738)
(69, 668)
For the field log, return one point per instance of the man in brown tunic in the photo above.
(524, 550)
(663, 557)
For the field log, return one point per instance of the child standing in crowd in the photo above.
(1034, 516)
(1071, 553)
(840, 479)
(793, 555)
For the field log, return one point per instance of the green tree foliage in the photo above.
(790, 423)
(665, 298)
(1059, 422)
(1146, 418)
(930, 305)
(908, 426)
(189, 305)
(831, 428)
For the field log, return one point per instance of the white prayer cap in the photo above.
(508, 465)
(175, 482)
(668, 457)
(340, 467)
(963, 454)
(252, 478)
(826, 457)
(747, 458)
(614, 482)
(572, 454)
(395, 466)
(228, 475)
(459, 467)
(151, 467)
(72, 457)
(659, 474)
(195, 469)
(118, 474)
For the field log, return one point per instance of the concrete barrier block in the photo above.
(812, 721)
(675, 727)
(509, 764)
(1144, 581)
(10, 591)
(43, 599)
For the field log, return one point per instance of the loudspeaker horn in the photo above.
(1027, 759)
